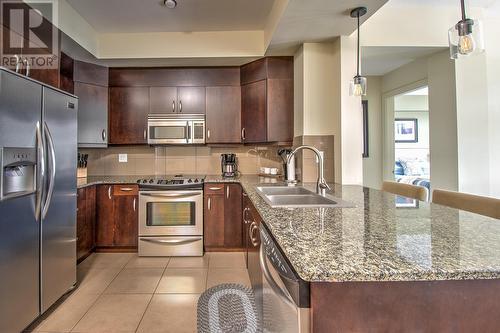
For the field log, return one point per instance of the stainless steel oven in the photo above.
(176, 129)
(171, 223)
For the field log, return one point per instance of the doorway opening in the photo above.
(407, 137)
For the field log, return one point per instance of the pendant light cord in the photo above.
(462, 3)
(357, 58)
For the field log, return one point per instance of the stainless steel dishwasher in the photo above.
(285, 296)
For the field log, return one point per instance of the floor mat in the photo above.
(228, 308)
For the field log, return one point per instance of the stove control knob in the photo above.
(151, 181)
(139, 181)
(190, 180)
(196, 180)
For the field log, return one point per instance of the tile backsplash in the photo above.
(145, 160)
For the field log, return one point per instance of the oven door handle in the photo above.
(172, 241)
(173, 196)
(269, 278)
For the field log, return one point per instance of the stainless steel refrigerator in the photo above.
(38, 153)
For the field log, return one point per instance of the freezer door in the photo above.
(58, 240)
(20, 109)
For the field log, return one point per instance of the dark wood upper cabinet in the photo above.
(279, 110)
(254, 112)
(92, 114)
(163, 99)
(223, 117)
(279, 68)
(191, 100)
(267, 100)
(128, 111)
(86, 72)
(174, 77)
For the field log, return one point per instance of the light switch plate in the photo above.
(122, 158)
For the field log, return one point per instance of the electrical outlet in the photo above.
(122, 158)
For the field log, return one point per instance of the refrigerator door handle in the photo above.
(40, 171)
(52, 156)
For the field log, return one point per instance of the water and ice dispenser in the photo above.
(18, 172)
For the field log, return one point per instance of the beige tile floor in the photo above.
(124, 293)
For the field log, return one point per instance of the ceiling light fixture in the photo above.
(170, 3)
(465, 37)
(358, 83)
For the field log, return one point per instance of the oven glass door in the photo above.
(170, 213)
(174, 132)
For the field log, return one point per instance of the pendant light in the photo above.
(358, 83)
(465, 37)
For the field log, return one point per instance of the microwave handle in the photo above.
(189, 134)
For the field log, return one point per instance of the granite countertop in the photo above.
(375, 240)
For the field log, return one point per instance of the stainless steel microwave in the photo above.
(176, 129)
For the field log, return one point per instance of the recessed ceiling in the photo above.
(319, 20)
(381, 60)
(128, 16)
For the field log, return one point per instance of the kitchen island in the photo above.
(386, 264)
(390, 265)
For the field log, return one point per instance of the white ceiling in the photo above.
(382, 60)
(318, 20)
(127, 16)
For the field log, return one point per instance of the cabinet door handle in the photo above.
(180, 106)
(103, 135)
(133, 204)
(126, 189)
(27, 63)
(215, 188)
(209, 203)
(245, 211)
(109, 193)
(243, 134)
(173, 105)
(145, 133)
(18, 63)
(227, 192)
(208, 134)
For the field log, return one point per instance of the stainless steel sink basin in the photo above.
(297, 197)
(283, 190)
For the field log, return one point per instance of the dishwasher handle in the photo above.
(269, 278)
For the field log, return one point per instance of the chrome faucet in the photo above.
(321, 185)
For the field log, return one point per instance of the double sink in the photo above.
(298, 197)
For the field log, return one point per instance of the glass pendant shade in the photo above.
(358, 86)
(466, 38)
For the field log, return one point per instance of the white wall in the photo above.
(438, 72)
(472, 125)
(372, 165)
(323, 105)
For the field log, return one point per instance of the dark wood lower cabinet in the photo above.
(223, 229)
(406, 306)
(86, 222)
(117, 217)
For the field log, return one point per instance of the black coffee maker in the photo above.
(228, 165)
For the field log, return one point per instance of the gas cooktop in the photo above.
(174, 182)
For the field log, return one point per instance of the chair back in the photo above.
(472, 203)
